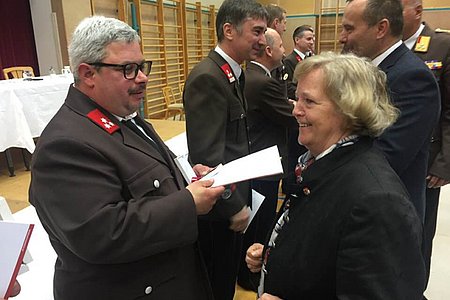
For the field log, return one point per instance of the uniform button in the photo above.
(306, 191)
(242, 116)
(156, 183)
(226, 194)
(148, 290)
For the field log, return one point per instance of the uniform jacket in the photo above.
(269, 111)
(352, 233)
(216, 125)
(415, 93)
(116, 210)
(290, 63)
(439, 51)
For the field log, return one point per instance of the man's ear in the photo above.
(383, 27)
(228, 31)
(418, 12)
(86, 74)
(268, 51)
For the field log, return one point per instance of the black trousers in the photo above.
(429, 228)
(221, 250)
(259, 229)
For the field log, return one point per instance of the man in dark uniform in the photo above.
(434, 49)
(304, 39)
(217, 132)
(105, 186)
(269, 117)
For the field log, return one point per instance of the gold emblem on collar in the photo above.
(422, 44)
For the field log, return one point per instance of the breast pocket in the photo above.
(153, 180)
(237, 131)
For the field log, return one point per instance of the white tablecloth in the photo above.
(37, 282)
(26, 107)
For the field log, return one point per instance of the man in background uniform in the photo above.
(269, 117)
(434, 49)
(217, 132)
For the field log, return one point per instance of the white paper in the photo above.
(259, 164)
(185, 167)
(178, 144)
(12, 237)
(257, 200)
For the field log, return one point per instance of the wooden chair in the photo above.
(17, 72)
(181, 88)
(171, 105)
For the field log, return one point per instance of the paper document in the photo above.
(178, 144)
(185, 167)
(14, 239)
(259, 164)
(257, 200)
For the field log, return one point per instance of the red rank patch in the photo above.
(101, 120)
(227, 70)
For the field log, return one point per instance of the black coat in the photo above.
(352, 233)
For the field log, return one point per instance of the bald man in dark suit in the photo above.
(269, 117)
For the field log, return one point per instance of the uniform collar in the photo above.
(237, 70)
(301, 54)
(411, 41)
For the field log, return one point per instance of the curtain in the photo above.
(17, 46)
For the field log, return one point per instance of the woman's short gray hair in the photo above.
(357, 87)
(91, 37)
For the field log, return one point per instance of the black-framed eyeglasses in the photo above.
(130, 70)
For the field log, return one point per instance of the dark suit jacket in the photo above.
(216, 125)
(290, 62)
(439, 51)
(269, 111)
(352, 233)
(116, 210)
(415, 93)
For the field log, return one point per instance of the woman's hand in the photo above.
(253, 257)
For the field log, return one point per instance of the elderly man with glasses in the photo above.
(105, 187)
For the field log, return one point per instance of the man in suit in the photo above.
(434, 49)
(216, 125)
(304, 39)
(109, 195)
(373, 29)
(269, 117)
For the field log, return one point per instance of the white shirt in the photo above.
(377, 60)
(300, 53)
(237, 70)
(263, 67)
(130, 117)
(412, 39)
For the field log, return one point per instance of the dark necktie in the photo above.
(130, 124)
(242, 82)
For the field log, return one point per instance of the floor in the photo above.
(15, 190)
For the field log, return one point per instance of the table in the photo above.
(26, 107)
(167, 129)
